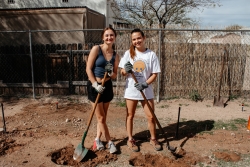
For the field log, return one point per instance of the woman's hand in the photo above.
(98, 88)
(109, 68)
(141, 86)
(128, 67)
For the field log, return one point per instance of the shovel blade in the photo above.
(79, 153)
(171, 148)
(218, 101)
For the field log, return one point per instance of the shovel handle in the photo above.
(149, 106)
(172, 149)
(93, 110)
(4, 125)
(222, 69)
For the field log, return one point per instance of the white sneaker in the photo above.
(98, 145)
(112, 148)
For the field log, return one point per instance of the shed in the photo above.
(60, 18)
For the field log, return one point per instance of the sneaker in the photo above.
(98, 145)
(111, 147)
(155, 144)
(132, 145)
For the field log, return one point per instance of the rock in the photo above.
(14, 129)
(180, 151)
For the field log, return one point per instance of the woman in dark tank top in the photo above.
(100, 63)
(102, 58)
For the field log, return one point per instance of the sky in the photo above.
(231, 12)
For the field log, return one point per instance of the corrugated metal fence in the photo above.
(53, 62)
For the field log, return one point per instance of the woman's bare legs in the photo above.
(102, 128)
(150, 117)
(151, 124)
(101, 115)
(131, 107)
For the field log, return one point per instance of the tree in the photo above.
(234, 27)
(145, 13)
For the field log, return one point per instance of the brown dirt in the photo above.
(42, 133)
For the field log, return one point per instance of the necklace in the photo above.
(109, 51)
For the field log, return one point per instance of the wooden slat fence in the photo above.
(189, 67)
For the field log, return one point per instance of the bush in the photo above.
(195, 96)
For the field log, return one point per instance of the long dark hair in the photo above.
(109, 28)
(132, 47)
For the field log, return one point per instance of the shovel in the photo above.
(4, 125)
(80, 151)
(172, 149)
(218, 100)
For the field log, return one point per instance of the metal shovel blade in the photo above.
(218, 101)
(170, 148)
(79, 153)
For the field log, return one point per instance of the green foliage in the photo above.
(240, 121)
(246, 105)
(138, 106)
(195, 96)
(230, 125)
(69, 99)
(206, 132)
(183, 105)
(233, 97)
(244, 162)
(164, 106)
(121, 103)
(183, 119)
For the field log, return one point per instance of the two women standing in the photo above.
(139, 60)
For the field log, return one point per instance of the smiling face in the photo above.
(108, 36)
(138, 41)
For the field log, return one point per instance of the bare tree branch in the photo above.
(148, 12)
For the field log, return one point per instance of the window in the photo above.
(11, 1)
(65, 1)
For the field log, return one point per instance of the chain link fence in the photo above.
(205, 62)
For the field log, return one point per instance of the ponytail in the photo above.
(132, 51)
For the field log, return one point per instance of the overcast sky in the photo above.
(230, 13)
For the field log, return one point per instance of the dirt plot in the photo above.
(45, 132)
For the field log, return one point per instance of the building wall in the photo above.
(100, 6)
(50, 19)
(42, 19)
(232, 38)
(227, 38)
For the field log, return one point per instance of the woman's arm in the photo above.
(152, 78)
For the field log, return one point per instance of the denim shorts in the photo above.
(105, 97)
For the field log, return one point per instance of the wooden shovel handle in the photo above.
(222, 69)
(96, 101)
(93, 110)
(149, 106)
